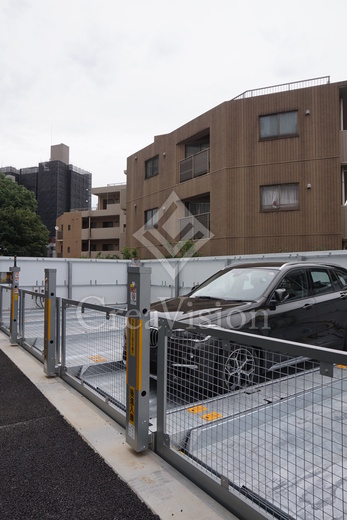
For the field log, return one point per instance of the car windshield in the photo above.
(242, 284)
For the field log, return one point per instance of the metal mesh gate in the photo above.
(258, 424)
(92, 351)
(5, 307)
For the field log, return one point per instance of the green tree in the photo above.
(183, 249)
(128, 253)
(22, 232)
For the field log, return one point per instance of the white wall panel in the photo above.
(107, 279)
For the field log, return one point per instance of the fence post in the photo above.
(138, 351)
(49, 359)
(177, 278)
(162, 380)
(14, 302)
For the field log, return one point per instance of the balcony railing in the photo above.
(195, 165)
(195, 227)
(343, 146)
(105, 233)
(344, 222)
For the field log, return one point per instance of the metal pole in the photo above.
(14, 302)
(138, 351)
(49, 359)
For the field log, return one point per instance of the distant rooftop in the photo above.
(8, 169)
(284, 87)
(78, 170)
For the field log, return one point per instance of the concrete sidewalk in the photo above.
(48, 471)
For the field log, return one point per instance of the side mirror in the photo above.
(281, 295)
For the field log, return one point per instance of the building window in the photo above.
(68, 227)
(152, 167)
(68, 249)
(197, 146)
(197, 206)
(279, 197)
(151, 218)
(283, 124)
(107, 224)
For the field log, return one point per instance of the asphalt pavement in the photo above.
(47, 470)
(62, 458)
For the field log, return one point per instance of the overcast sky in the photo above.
(105, 76)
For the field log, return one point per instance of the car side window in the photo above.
(321, 282)
(342, 276)
(295, 284)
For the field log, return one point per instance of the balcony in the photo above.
(343, 146)
(85, 234)
(195, 227)
(195, 165)
(123, 200)
(104, 233)
(110, 209)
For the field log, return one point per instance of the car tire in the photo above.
(239, 368)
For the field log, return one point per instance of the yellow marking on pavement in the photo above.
(196, 409)
(97, 359)
(211, 416)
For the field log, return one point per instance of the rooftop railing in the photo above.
(284, 87)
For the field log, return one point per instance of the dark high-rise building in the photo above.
(58, 186)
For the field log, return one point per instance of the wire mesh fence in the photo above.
(262, 419)
(92, 350)
(31, 320)
(266, 425)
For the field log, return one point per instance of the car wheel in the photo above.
(240, 368)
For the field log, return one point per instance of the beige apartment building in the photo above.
(98, 233)
(263, 173)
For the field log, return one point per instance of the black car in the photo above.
(296, 301)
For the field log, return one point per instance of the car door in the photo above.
(295, 317)
(331, 304)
